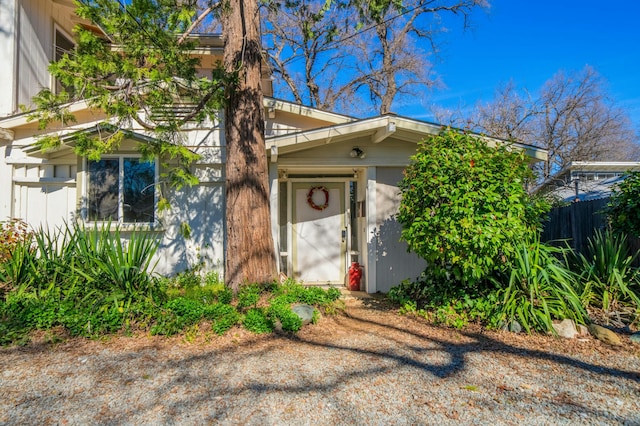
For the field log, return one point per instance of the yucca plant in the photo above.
(607, 278)
(540, 288)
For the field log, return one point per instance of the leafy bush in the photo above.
(85, 280)
(249, 295)
(624, 208)
(191, 285)
(539, 288)
(280, 311)
(464, 205)
(447, 303)
(607, 279)
(222, 317)
(256, 321)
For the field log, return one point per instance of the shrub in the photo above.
(249, 295)
(539, 288)
(256, 321)
(607, 279)
(624, 208)
(464, 205)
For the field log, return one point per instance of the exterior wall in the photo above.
(49, 191)
(26, 48)
(393, 263)
(7, 53)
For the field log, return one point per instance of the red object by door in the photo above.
(355, 274)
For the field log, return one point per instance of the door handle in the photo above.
(344, 235)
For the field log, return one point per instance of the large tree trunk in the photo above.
(249, 254)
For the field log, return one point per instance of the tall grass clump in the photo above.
(89, 281)
(539, 288)
(607, 280)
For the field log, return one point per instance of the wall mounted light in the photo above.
(357, 153)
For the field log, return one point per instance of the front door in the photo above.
(319, 232)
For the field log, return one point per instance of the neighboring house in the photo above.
(586, 180)
(333, 178)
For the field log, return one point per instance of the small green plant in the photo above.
(249, 295)
(256, 321)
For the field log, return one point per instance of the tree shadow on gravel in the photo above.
(256, 380)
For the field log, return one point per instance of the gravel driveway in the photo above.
(369, 367)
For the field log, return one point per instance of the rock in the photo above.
(565, 328)
(604, 335)
(305, 312)
(583, 331)
(512, 326)
(635, 337)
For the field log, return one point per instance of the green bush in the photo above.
(249, 295)
(464, 205)
(256, 321)
(447, 303)
(280, 311)
(222, 317)
(623, 209)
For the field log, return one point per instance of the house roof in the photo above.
(69, 140)
(563, 187)
(377, 129)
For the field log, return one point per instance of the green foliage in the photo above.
(607, 280)
(249, 295)
(464, 205)
(445, 302)
(222, 317)
(539, 288)
(280, 311)
(624, 208)
(152, 69)
(88, 281)
(256, 321)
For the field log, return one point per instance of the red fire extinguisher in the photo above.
(355, 274)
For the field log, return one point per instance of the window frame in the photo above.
(121, 193)
(55, 85)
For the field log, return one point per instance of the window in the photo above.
(63, 44)
(121, 189)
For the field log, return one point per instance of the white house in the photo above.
(333, 177)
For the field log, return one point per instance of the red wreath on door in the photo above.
(310, 201)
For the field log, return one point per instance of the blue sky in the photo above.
(528, 42)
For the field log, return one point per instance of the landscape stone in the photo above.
(604, 335)
(565, 328)
(305, 312)
(512, 326)
(635, 337)
(583, 331)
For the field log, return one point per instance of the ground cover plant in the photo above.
(95, 282)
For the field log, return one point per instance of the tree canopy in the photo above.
(572, 116)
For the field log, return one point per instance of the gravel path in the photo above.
(369, 367)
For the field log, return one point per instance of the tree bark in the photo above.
(249, 251)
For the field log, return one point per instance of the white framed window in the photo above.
(121, 189)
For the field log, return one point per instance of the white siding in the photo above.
(393, 263)
(7, 55)
(202, 209)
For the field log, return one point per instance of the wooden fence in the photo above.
(577, 222)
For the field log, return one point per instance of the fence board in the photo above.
(577, 222)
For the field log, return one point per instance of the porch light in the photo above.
(357, 153)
